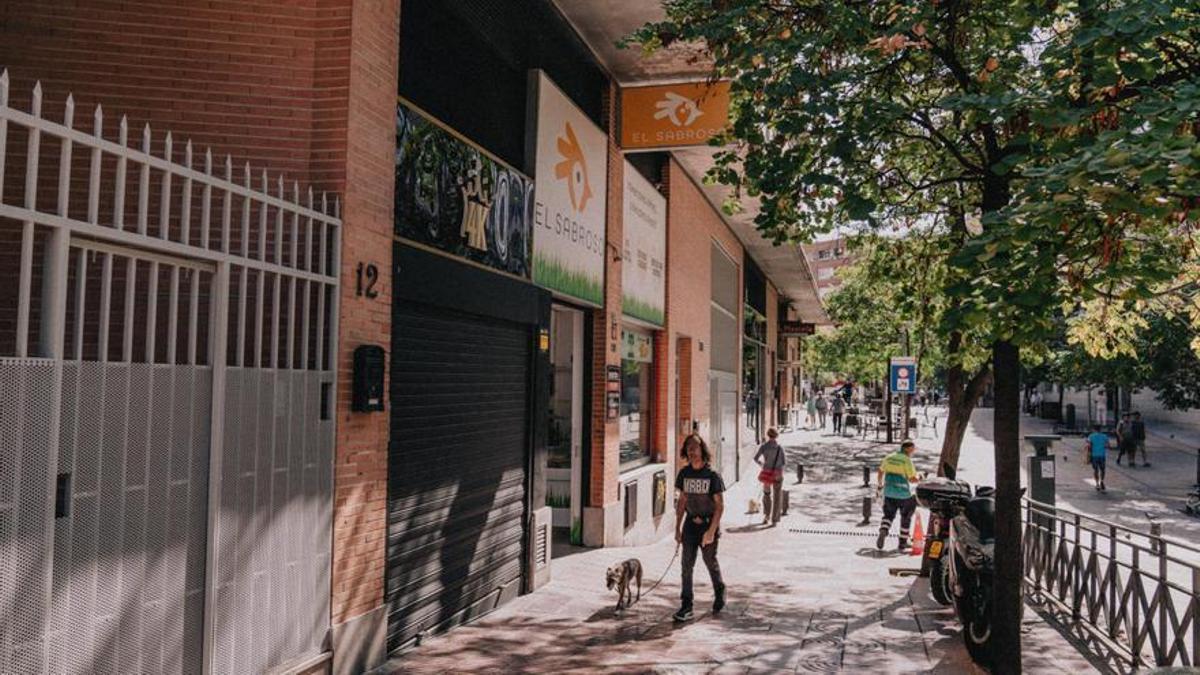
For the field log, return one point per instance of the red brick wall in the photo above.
(237, 75)
(770, 404)
(684, 415)
(247, 79)
(692, 226)
(360, 477)
(305, 88)
(605, 458)
(662, 395)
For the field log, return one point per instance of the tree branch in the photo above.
(945, 142)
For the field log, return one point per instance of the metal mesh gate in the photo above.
(166, 383)
(128, 568)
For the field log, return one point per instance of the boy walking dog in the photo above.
(698, 522)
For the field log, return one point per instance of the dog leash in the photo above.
(666, 571)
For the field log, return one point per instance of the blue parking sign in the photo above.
(903, 375)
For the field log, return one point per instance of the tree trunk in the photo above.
(956, 428)
(963, 397)
(1007, 590)
(961, 404)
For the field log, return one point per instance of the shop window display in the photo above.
(637, 390)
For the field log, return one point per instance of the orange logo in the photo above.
(574, 169)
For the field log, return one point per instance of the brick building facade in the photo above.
(307, 90)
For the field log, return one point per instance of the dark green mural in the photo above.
(451, 196)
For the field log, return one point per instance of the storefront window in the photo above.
(754, 370)
(637, 393)
(562, 388)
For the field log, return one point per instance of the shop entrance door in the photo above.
(565, 437)
(722, 407)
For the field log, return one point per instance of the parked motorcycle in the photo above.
(1193, 501)
(962, 555)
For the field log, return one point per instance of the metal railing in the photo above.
(175, 332)
(1136, 593)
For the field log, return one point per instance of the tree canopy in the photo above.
(1054, 142)
(1058, 139)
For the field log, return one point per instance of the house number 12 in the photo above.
(367, 277)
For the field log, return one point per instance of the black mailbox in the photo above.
(369, 364)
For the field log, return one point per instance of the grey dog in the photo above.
(622, 575)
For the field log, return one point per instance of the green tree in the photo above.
(1066, 130)
(1160, 357)
(898, 286)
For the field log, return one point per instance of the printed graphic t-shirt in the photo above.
(897, 470)
(699, 486)
(1099, 443)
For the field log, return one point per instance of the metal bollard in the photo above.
(866, 476)
(799, 473)
(866, 511)
(1155, 538)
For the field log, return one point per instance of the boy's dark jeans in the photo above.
(693, 534)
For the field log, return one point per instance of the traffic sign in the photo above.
(903, 375)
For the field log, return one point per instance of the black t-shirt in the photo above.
(699, 485)
(1138, 428)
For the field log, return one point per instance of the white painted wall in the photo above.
(1144, 401)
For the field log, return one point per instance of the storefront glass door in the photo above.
(565, 439)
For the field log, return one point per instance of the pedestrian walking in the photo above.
(772, 460)
(822, 407)
(698, 512)
(837, 408)
(1138, 429)
(1124, 438)
(810, 407)
(1097, 453)
(894, 482)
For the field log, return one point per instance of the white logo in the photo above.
(695, 486)
(682, 111)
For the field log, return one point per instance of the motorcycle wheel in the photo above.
(939, 582)
(977, 624)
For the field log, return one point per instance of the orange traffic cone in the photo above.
(918, 540)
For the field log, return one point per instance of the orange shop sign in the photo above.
(673, 115)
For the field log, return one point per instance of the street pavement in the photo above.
(1136, 496)
(810, 595)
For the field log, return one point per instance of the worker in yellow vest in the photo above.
(894, 483)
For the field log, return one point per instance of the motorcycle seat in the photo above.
(981, 512)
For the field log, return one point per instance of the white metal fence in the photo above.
(167, 366)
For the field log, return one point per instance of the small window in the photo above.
(326, 403)
(823, 254)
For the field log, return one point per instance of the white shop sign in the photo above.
(571, 178)
(644, 258)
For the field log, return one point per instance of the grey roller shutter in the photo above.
(456, 466)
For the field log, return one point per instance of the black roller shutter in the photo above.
(456, 466)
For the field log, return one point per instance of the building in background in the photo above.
(825, 258)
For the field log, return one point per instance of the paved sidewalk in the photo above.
(799, 600)
(1134, 495)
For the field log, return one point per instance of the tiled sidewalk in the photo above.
(798, 601)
